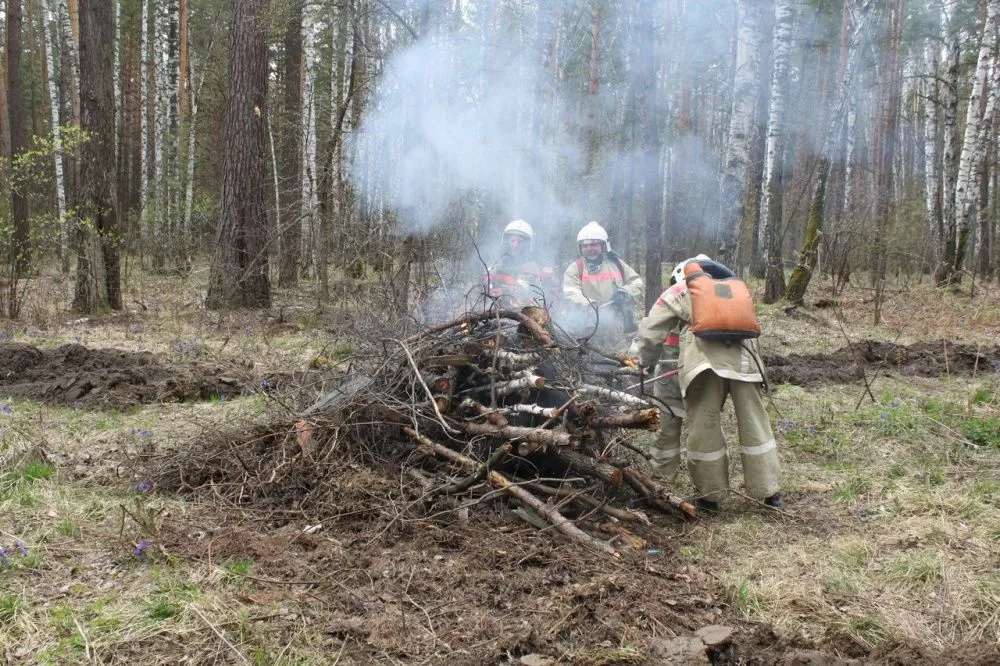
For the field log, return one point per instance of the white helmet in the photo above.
(592, 231)
(678, 273)
(521, 228)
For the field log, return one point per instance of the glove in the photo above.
(620, 298)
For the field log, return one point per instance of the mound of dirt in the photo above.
(108, 378)
(933, 359)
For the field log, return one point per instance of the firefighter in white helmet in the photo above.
(517, 278)
(710, 369)
(604, 286)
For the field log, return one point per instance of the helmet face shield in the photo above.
(592, 240)
(517, 237)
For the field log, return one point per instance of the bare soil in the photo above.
(73, 374)
(868, 357)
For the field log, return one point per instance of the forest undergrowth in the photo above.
(888, 552)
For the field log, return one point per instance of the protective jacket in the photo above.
(708, 372)
(520, 279)
(593, 284)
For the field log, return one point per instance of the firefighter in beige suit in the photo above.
(708, 372)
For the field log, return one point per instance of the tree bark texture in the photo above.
(771, 210)
(98, 277)
(290, 183)
(973, 145)
(649, 132)
(749, 39)
(239, 274)
(20, 253)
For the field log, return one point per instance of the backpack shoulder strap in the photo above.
(579, 266)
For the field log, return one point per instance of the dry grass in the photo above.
(891, 535)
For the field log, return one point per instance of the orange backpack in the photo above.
(720, 309)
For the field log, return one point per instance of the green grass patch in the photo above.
(747, 597)
(914, 569)
(981, 431)
(235, 572)
(160, 609)
(10, 606)
(869, 629)
(851, 489)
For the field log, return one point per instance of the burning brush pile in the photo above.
(492, 405)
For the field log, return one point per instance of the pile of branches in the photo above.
(503, 398)
(498, 403)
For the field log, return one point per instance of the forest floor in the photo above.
(889, 437)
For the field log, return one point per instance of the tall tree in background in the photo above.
(771, 210)
(98, 280)
(749, 39)
(51, 40)
(979, 114)
(238, 276)
(645, 99)
(20, 254)
(884, 147)
(290, 186)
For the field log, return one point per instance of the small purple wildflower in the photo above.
(21, 548)
(883, 416)
(142, 433)
(862, 511)
(143, 486)
(140, 550)
(6, 558)
(7, 408)
(786, 424)
(266, 384)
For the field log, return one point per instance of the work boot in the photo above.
(775, 501)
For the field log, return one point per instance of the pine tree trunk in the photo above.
(20, 252)
(884, 150)
(98, 277)
(239, 274)
(645, 83)
(290, 185)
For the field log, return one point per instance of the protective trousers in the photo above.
(708, 460)
(666, 449)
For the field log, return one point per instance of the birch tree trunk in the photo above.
(145, 130)
(51, 25)
(951, 54)
(932, 134)
(749, 38)
(973, 149)
(771, 210)
(310, 195)
(983, 250)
